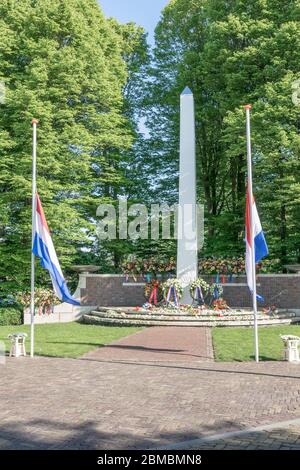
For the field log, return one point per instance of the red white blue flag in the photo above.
(44, 249)
(260, 244)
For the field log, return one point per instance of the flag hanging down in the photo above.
(260, 245)
(44, 249)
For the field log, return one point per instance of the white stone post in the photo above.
(187, 249)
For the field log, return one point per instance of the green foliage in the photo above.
(10, 316)
(230, 54)
(65, 64)
(91, 83)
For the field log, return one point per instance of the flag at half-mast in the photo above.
(44, 249)
(260, 244)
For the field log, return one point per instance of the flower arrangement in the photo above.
(220, 304)
(45, 299)
(169, 284)
(272, 310)
(153, 291)
(149, 266)
(133, 266)
(198, 283)
(168, 266)
(235, 266)
(222, 266)
(268, 266)
(216, 290)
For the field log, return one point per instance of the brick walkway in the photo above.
(97, 403)
(160, 344)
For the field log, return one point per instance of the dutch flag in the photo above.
(44, 249)
(260, 245)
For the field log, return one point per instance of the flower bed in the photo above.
(45, 299)
(134, 266)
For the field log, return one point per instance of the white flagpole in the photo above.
(32, 303)
(250, 195)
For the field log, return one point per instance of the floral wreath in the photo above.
(172, 283)
(150, 286)
(198, 283)
(216, 289)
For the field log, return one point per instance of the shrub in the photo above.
(10, 316)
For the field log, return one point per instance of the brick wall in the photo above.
(109, 291)
(282, 290)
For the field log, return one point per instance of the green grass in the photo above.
(68, 339)
(237, 344)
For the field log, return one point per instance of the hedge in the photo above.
(10, 316)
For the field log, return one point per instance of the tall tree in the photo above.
(62, 62)
(232, 53)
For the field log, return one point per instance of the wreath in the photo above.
(198, 284)
(169, 284)
(153, 288)
(216, 290)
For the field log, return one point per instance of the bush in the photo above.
(10, 316)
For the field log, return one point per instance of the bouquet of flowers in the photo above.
(45, 299)
(220, 304)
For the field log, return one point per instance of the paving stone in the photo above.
(160, 344)
(109, 401)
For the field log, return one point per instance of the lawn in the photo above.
(68, 339)
(237, 344)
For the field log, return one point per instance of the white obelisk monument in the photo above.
(187, 246)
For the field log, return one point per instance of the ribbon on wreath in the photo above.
(153, 295)
(199, 294)
(172, 291)
(216, 293)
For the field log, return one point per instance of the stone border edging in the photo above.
(226, 435)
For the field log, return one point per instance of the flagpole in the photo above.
(32, 300)
(248, 107)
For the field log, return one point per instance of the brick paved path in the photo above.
(160, 344)
(95, 403)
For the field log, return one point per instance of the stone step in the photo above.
(138, 321)
(161, 316)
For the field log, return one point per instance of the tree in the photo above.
(232, 53)
(62, 62)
